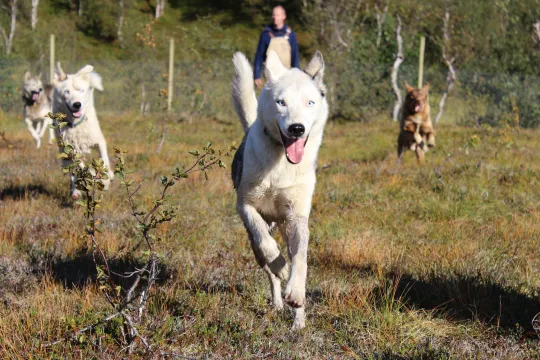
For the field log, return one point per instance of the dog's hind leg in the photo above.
(264, 246)
(33, 132)
(431, 139)
(420, 155)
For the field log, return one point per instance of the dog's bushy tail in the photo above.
(243, 92)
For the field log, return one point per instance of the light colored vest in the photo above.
(282, 47)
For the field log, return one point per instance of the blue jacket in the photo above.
(264, 41)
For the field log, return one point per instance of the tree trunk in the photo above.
(34, 15)
(536, 27)
(121, 23)
(160, 8)
(80, 10)
(380, 21)
(395, 68)
(8, 39)
(449, 63)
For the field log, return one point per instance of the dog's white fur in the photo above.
(271, 190)
(37, 104)
(83, 131)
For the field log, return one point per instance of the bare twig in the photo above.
(83, 330)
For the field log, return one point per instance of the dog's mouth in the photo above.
(417, 108)
(35, 95)
(294, 147)
(75, 113)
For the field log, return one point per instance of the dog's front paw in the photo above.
(295, 296)
(299, 321)
(280, 267)
(277, 304)
(421, 144)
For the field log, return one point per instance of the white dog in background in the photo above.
(37, 104)
(274, 169)
(74, 96)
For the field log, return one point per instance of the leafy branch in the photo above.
(129, 303)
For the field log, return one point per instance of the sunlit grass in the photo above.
(405, 262)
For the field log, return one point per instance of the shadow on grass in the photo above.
(468, 298)
(79, 270)
(20, 192)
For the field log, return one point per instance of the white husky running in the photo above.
(274, 169)
(74, 96)
(37, 104)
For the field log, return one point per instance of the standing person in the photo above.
(278, 37)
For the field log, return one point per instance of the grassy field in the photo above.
(438, 262)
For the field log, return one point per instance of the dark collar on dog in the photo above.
(77, 123)
(28, 102)
(273, 139)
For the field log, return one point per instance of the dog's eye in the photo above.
(66, 92)
(81, 91)
(40, 89)
(281, 103)
(310, 103)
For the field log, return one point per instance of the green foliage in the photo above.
(100, 19)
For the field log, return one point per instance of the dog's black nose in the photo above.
(77, 105)
(297, 130)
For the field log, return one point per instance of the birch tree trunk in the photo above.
(34, 14)
(449, 63)
(121, 22)
(380, 21)
(160, 8)
(8, 39)
(536, 27)
(395, 68)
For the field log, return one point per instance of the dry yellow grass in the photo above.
(405, 262)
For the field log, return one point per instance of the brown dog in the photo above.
(416, 128)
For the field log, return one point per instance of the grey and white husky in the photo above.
(274, 168)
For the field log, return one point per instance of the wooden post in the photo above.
(51, 61)
(171, 75)
(421, 62)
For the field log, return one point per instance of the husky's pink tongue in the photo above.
(417, 108)
(77, 114)
(35, 96)
(295, 149)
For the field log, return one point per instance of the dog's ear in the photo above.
(426, 88)
(27, 76)
(95, 81)
(408, 87)
(273, 67)
(87, 69)
(315, 69)
(59, 74)
(39, 75)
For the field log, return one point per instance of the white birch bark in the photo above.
(34, 14)
(8, 39)
(395, 68)
(449, 63)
